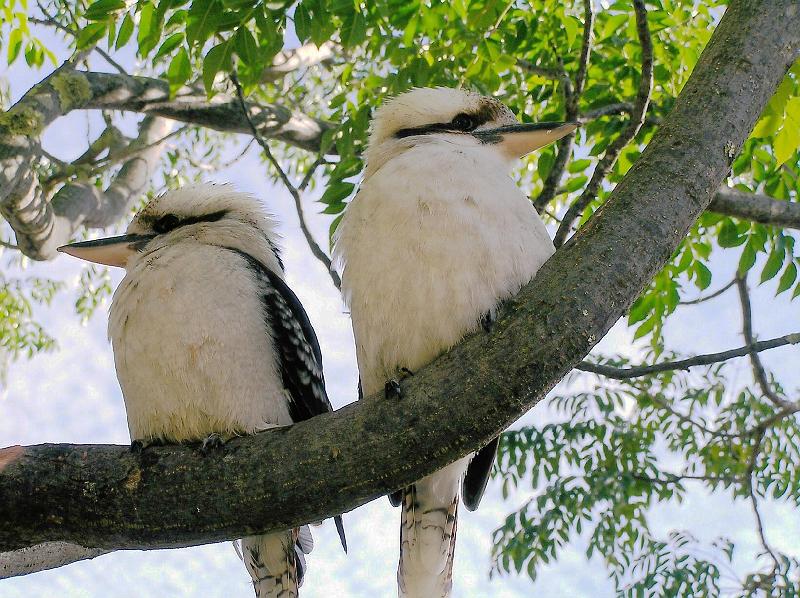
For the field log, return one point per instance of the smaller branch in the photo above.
(754, 501)
(572, 95)
(316, 250)
(708, 297)
(8, 245)
(628, 134)
(51, 21)
(684, 364)
(757, 208)
(674, 478)
(688, 419)
(542, 71)
(759, 373)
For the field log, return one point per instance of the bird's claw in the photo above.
(392, 390)
(212, 442)
(487, 321)
(139, 445)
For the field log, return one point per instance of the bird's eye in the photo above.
(464, 122)
(166, 223)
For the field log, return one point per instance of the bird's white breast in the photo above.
(191, 347)
(433, 240)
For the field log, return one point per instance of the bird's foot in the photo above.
(212, 442)
(488, 320)
(392, 389)
(138, 446)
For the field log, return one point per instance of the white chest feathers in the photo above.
(192, 347)
(432, 242)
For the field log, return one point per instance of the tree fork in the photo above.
(106, 497)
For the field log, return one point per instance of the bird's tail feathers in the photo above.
(276, 562)
(427, 547)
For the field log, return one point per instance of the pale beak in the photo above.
(113, 251)
(516, 141)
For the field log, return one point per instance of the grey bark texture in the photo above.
(106, 497)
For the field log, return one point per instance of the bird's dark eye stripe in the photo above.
(170, 222)
(462, 123)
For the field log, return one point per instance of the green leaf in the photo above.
(787, 278)
(14, 45)
(786, 143)
(354, 31)
(246, 47)
(336, 192)
(302, 22)
(579, 165)
(702, 275)
(90, 35)
(747, 259)
(576, 183)
(202, 21)
(102, 9)
(169, 45)
(646, 327)
(217, 59)
(729, 235)
(774, 263)
(179, 70)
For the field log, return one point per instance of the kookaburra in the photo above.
(209, 341)
(437, 235)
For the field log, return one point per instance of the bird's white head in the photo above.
(203, 213)
(457, 117)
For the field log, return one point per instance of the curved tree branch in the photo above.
(106, 497)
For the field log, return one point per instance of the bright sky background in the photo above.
(72, 396)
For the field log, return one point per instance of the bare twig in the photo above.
(759, 373)
(8, 245)
(51, 21)
(713, 295)
(688, 419)
(316, 250)
(625, 137)
(684, 364)
(751, 465)
(542, 71)
(572, 95)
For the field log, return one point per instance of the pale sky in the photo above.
(72, 396)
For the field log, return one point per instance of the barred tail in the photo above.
(276, 562)
(428, 534)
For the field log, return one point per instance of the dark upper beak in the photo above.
(518, 140)
(112, 251)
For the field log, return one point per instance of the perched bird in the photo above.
(210, 342)
(437, 235)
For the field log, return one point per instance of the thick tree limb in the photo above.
(756, 207)
(684, 364)
(104, 496)
(625, 137)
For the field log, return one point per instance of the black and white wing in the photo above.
(297, 349)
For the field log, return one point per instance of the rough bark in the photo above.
(756, 207)
(104, 496)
